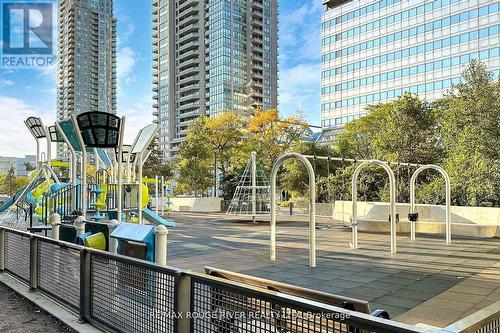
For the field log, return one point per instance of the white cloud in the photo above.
(299, 90)
(300, 55)
(137, 116)
(15, 139)
(300, 32)
(6, 82)
(126, 62)
(128, 30)
(48, 72)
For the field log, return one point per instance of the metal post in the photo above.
(72, 151)
(85, 285)
(2, 250)
(184, 298)
(254, 183)
(119, 171)
(128, 168)
(162, 195)
(392, 198)
(49, 145)
(37, 155)
(139, 209)
(84, 165)
(215, 176)
(80, 225)
(312, 204)
(113, 242)
(33, 263)
(161, 233)
(96, 157)
(55, 221)
(156, 194)
(413, 181)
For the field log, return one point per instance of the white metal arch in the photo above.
(413, 181)
(392, 198)
(312, 205)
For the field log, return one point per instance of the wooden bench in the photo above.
(229, 303)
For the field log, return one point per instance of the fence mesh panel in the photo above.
(131, 297)
(222, 308)
(59, 272)
(492, 327)
(17, 255)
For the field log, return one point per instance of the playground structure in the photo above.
(354, 220)
(87, 208)
(252, 195)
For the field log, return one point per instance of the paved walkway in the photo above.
(425, 282)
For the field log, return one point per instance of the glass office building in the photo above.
(374, 51)
(211, 56)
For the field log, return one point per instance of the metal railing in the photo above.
(69, 198)
(64, 202)
(111, 196)
(124, 294)
(486, 320)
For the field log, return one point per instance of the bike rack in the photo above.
(392, 198)
(312, 204)
(413, 181)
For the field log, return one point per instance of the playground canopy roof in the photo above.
(35, 126)
(99, 129)
(55, 136)
(126, 149)
(70, 132)
(144, 138)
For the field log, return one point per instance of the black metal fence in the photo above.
(123, 294)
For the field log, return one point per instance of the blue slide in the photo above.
(155, 218)
(10, 201)
(7, 203)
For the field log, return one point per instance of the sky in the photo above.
(25, 93)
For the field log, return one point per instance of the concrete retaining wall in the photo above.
(466, 221)
(201, 205)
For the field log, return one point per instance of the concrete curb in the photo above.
(56, 310)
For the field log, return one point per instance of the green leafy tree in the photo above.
(28, 166)
(406, 129)
(196, 160)
(470, 133)
(402, 130)
(10, 180)
(155, 165)
(295, 179)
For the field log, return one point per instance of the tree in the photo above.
(406, 129)
(9, 180)
(295, 178)
(196, 159)
(402, 130)
(28, 166)
(225, 134)
(226, 141)
(156, 166)
(470, 134)
(271, 136)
